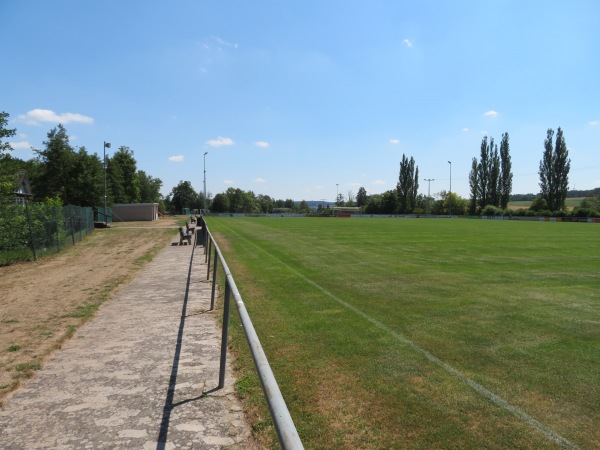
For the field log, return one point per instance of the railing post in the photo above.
(224, 335)
(207, 260)
(207, 242)
(214, 281)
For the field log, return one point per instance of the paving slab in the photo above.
(142, 374)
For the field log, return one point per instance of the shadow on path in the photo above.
(169, 405)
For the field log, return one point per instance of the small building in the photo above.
(130, 212)
(22, 188)
(345, 211)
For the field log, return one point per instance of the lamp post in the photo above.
(106, 145)
(429, 180)
(450, 197)
(205, 153)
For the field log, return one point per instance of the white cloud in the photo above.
(20, 145)
(228, 181)
(394, 141)
(260, 180)
(484, 132)
(465, 129)
(35, 116)
(490, 113)
(594, 123)
(379, 182)
(220, 142)
(261, 144)
(176, 158)
(407, 43)
(224, 43)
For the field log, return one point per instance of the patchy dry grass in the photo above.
(43, 302)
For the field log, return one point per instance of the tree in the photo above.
(220, 203)
(484, 171)
(86, 179)
(389, 202)
(351, 197)
(494, 180)
(459, 205)
(303, 207)
(149, 187)
(9, 170)
(339, 201)
(57, 160)
(361, 197)
(505, 172)
(130, 184)
(5, 133)
(408, 185)
(183, 196)
(9, 166)
(474, 186)
(554, 171)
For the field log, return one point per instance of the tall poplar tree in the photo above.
(494, 180)
(505, 171)
(407, 186)
(474, 186)
(554, 170)
(483, 172)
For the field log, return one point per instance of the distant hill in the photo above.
(314, 204)
(570, 194)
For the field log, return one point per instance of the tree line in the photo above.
(75, 176)
(490, 182)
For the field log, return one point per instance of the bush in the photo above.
(539, 204)
(560, 213)
(584, 212)
(491, 210)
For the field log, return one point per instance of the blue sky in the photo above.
(306, 99)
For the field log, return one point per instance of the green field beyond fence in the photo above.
(30, 230)
(424, 333)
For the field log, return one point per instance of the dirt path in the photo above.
(43, 302)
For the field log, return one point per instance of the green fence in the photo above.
(29, 230)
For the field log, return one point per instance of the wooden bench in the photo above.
(189, 228)
(184, 236)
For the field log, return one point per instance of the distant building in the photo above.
(131, 212)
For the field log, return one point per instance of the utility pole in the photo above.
(450, 197)
(106, 145)
(429, 180)
(205, 153)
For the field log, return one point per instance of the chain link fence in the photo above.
(30, 230)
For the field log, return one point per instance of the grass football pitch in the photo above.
(423, 333)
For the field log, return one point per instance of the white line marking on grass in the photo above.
(549, 433)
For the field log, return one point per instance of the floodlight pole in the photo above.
(450, 197)
(106, 145)
(337, 192)
(205, 153)
(429, 180)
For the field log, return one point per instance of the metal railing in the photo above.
(282, 420)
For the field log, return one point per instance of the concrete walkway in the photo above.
(141, 375)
